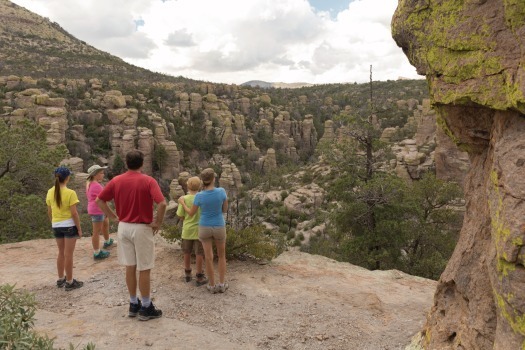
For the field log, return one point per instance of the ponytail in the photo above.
(88, 182)
(58, 197)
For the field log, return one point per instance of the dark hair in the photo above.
(134, 159)
(61, 174)
(58, 197)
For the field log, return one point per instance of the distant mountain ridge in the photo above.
(267, 85)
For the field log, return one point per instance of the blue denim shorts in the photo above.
(97, 218)
(66, 232)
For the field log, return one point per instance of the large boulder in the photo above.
(472, 55)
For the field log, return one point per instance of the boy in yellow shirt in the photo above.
(190, 234)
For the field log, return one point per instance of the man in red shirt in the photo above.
(134, 194)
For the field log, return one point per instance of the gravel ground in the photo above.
(298, 301)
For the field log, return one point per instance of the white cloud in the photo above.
(235, 40)
(180, 38)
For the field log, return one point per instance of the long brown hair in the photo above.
(58, 196)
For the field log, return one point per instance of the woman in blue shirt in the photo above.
(213, 202)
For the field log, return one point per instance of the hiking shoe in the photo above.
(73, 285)
(61, 282)
(134, 309)
(187, 275)
(101, 255)
(211, 289)
(147, 313)
(201, 279)
(221, 288)
(108, 243)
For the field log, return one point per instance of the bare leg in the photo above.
(131, 279)
(60, 257)
(69, 244)
(221, 253)
(199, 261)
(144, 283)
(95, 238)
(208, 253)
(187, 261)
(105, 228)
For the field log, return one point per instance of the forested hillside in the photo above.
(298, 164)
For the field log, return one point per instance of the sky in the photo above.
(234, 41)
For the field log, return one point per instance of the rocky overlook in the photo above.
(472, 55)
(99, 108)
(299, 301)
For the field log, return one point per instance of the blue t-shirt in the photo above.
(210, 203)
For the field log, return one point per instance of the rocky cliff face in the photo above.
(472, 55)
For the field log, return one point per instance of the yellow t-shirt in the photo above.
(190, 225)
(69, 198)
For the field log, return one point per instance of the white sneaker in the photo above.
(221, 288)
(212, 289)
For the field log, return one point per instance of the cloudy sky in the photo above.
(233, 41)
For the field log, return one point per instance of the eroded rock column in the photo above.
(472, 53)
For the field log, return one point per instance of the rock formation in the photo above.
(268, 162)
(252, 150)
(472, 55)
(146, 146)
(329, 134)
(50, 113)
(228, 139)
(230, 179)
(305, 199)
(408, 159)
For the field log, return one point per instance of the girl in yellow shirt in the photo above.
(62, 211)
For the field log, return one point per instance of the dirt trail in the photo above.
(299, 301)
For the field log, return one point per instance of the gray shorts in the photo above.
(207, 233)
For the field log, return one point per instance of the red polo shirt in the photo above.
(134, 194)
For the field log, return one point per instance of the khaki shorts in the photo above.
(136, 245)
(188, 244)
(207, 233)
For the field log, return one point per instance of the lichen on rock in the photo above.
(471, 52)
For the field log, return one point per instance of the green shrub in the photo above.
(307, 178)
(255, 241)
(172, 233)
(17, 312)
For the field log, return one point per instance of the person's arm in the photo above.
(50, 213)
(191, 211)
(106, 209)
(225, 206)
(76, 219)
(161, 210)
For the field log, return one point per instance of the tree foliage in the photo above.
(384, 222)
(26, 168)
